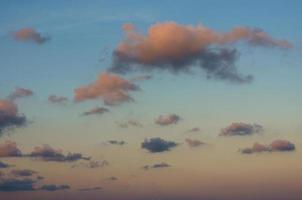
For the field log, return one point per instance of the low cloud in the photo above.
(23, 172)
(239, 128)
(117, 142)
(194, 142)
(157, 145)
(20, 93)
(276, 145)
(197, 46)
(13, 185)
(156, 166)
(92, 164)
(4, 165)
(89, 189)
(169, 119)
(52, 187)
(9, 149)
(30, 35)
(112, 178)
(9, 116)
(195, 129)
(112, 89)
(131, 122)
(54, 99)
(96, 111)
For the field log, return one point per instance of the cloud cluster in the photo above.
(30, 35)
(96, 111)
(156, 166)
(176, 48)
(112, 89)
(57, 99)
(276, 145)
(194, 142)
(157, 145)
(20, 93)
(240, 128)
(9, 116)
(169, 119)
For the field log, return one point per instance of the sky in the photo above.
(153, 100)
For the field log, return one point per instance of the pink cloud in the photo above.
(30, 35)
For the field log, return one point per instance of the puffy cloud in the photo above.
(96, 111)
(157, 145)
(276, 145)
(116, 142)
(23, 172)
(4, 165)
(169, 119)
(240, 128)
(30, 35)
(52, 187)
(112, 89)
(20, 93)
(57, 99)
(9, 149)
(194, 143)
(174, 47)
(9, 116)
(47, 153)
(156, 166)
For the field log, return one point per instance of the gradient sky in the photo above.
(83, 36)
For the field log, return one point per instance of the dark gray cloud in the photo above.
(275, 146)
(194, 142)
(169, 119)
(57, 99)
(47, 153)
(89, 189)
(157, 145)
(239, 128)
(30, 35)
(9, 116)
(196, 46)
(156, 166)
(117, 142)
(23, 172)
(92, 164)
(20, 93)
(12, 184)
(96, 111)
(53, 187)
(112, 178)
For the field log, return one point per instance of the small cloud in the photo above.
(195, 129)
(156, 145)
(9, 149)
(54, 99)
(116, 142)
(156, 166)
(240, 128)
(23, 172)
(96, 111)
(13, 184)
(30, 35)
(130, 122)
(89, 189)
(20, 93)
(141, 78)
(4, 165)
(92, 164)
(112, 178)
(169, 119)
(52, 187)
(276, 145)
(194, 143)
(9, 116)
(111, 88)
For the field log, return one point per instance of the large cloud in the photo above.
(240, 128)
(9, 149)
(169, 119)
(112, 89)
(157, 145)
(20, 93)
(276, 145)
(174, 47)
(30, 35)
(9, 116)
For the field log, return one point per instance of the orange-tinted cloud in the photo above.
(112, 89)
(276, 145)
(9, 149)
(169, 119)
(177, 47)
(20, 93)
(30, 35)
(240, 128)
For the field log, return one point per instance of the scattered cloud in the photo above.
(52, 187)
(9, 116)
(112, 89)
(13, 184)
(116, 142)
(92, 164)
(195, 129)
(177, 48)
(96, 111)
(169, 119)
(131, 122)
(54, 99)
(156, 166)
(240, 128)
(23, 172)
(89, 189)
(9, 149)
(30, 35)
(276, 145)
(194, 142)
(157, 145)
(20, 93)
